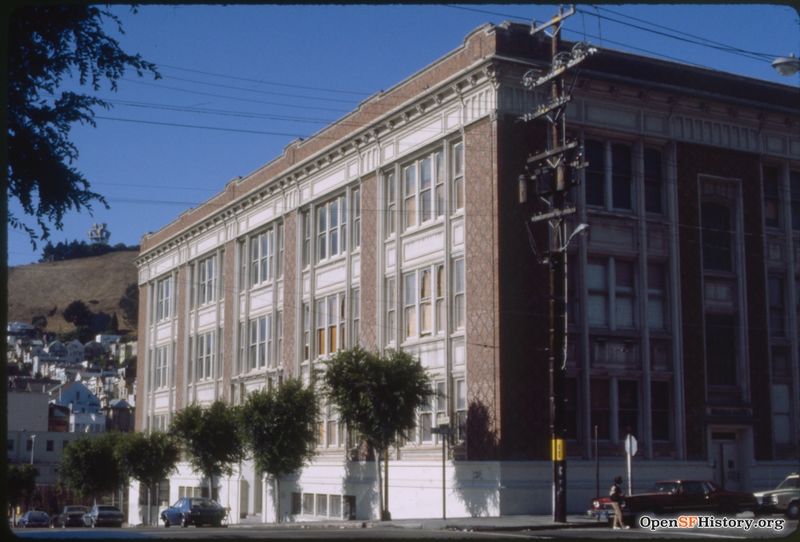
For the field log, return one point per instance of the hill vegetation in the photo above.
(45, 290)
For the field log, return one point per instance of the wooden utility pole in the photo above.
(557, 165)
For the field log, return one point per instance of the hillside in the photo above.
(100, 282)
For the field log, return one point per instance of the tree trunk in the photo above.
(387, 514)
(277, 499)
(380, 482)
(211, 486)
(149, 505)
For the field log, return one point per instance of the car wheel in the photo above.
(166, 523)
(793, 510)
(184, 521)
(93, 524)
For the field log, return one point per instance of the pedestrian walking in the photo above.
(617, 498)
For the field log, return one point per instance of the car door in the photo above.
(693, 497)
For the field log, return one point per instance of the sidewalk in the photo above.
(501, 523)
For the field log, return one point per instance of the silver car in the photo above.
(785, 498)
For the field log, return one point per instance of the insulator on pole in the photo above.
(522, 192)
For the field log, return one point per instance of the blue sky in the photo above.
(241, 82)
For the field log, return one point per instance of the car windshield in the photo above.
(203, 502)
(790, 483)
(107, 509)
(37, 515)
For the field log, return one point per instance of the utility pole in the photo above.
(552, 174)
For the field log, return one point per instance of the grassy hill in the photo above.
(38, 289)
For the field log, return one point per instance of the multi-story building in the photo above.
(399, 227)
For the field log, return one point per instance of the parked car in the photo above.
(194, 511)
(673, 496)
(70, 516)
(785, 498)
(102, 514)
(34, 518)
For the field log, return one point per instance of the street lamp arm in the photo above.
(787, 65)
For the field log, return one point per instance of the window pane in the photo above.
(717, 242)
(621, 176)
(595, 172)
(652, 181)
(721, 337)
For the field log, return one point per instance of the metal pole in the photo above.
(444, 479)
(33, 447)
(596, 465)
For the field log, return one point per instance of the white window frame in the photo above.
(423, 204)
(459, 295)
(206, 354)
(457, 186)
(161, 367)
(163, 299)
(330, 318)
(262, 254)
(390, 188)
(260, 342)
(331, 238)
(391, 311)
(420, 306)
(355, 197)
(206, 280)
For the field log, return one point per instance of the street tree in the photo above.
(91, 466)
(48, 45)
(21, 485)
(378, 396)
(148, 458)
(211, 437)
(278, 428)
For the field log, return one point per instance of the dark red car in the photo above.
(672, 497)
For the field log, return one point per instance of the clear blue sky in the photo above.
(241, 82)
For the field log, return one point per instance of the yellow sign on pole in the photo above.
(557, 449)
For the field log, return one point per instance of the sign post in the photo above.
(631, 447)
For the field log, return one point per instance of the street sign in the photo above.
(631, 446)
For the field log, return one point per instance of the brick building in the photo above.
(398, 226)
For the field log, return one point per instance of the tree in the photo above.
(211, 437)
(21, 485)
(39, 322)
(148, 458)
(91, 466)
(378, 396)
(129, 304)
(47, 43)
(278, 427)
(78, 314)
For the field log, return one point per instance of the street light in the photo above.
(787, 65)
(33, 446)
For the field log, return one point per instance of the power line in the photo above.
(216, 128)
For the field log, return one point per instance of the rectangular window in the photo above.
(207, 280)
(297, 506)
(335, 506)
(781, 414)
(322, 505)
(624, 307)
(355, 302)
(308, 504)
(460, 408)
(621, 177)
(595, 173)
(163, 299)
(242, 249)
(410, 304)
(458, 177)
(241, 361)
(49, 445)
(780, 363)
(438, 162)
(600, 407)
(306, 331)
(772, 199)
(425, 423)
(330, 318)
(262, 252)
(356, 195)
(660, 409)
(627, 407)
(425, 302)
(597, 287)
(777, 310)
(409, 196)
(459, 300)
(390, 218)
(426, 189)
(440, 304)
(205, 356)
(259, 335)
(653, 181)
(717, 237)
(306, 250)
(656, 296)
(391, 311)
(721, 338)
(279, 262)
(161, 367)
(278, 339)
(331, 229)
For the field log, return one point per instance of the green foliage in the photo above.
(210, 436)
(129, 303)
(47, 43)
(377, 396)
(148, 458)
(21, 483)
(77, 313)
(79, 249)
(278, 427)
(91, 466)
(39, 322)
